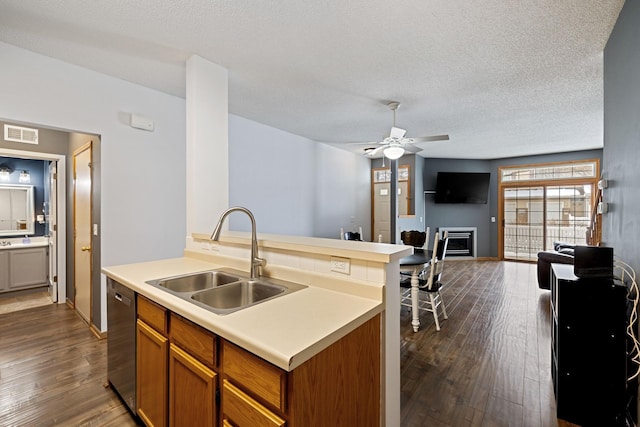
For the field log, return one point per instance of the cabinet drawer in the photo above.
(153, 314)
(265, 380)
(194, 339)
(239, 409)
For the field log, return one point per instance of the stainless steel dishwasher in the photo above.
(121, 341)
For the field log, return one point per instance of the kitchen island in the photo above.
(309, 336)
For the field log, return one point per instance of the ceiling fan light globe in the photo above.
(393, 152)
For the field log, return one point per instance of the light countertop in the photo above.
(285, 331)
(366, 251)
(21, 245)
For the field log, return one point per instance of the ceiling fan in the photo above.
(396, 144)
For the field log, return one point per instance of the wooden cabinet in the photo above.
(23, 268)
(239, 409)
(192, 391)
(192, 379)
(266, 382)
(151, 364)
(340, 386)
(176, 383)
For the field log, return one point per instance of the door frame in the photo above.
(542, 183)
(374, 238)
(61, 214)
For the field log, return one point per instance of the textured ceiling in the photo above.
(502, 77)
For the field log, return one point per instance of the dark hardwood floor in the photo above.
(488, 366)
(53, 371)
(490, 363)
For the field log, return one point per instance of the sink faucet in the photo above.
(255, 261)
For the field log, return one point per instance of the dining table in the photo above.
(414, 264)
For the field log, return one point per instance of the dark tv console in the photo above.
(588, 348)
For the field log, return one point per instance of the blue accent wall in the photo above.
(37, 171)
(621, 225)
(471, 215)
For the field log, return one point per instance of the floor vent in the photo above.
(20, 134)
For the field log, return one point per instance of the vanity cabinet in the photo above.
(4, 270)
(23, 268)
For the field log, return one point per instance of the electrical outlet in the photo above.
(210, 246)
(340, 265)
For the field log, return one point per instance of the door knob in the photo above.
(85, 248)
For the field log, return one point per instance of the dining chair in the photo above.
(351, 235)
(430, 282)
(415, 238)
(419, 240)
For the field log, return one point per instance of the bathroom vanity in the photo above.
(23, 266)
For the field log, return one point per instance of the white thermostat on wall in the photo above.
(141, 122)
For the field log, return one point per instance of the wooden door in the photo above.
(381, 212)
(82, 230)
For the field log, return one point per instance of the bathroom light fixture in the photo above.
(5, 173)
(393, 152)
(25, 177)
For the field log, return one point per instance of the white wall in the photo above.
(293, 185)
(343, 193)
(143, 173)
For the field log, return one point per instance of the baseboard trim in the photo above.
(70, 304)
(100, 335)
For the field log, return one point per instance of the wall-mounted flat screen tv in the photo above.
(462, 187)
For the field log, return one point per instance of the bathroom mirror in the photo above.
(16, 210)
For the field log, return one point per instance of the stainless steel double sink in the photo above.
(223, 291)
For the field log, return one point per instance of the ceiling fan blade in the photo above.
(370, 152)
(364, 143)
(410, 148)
(397, 132)
(431, 138)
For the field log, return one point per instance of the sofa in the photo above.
(562, 253)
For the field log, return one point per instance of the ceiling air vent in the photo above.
(20, 134)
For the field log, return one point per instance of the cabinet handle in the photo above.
(85, 248)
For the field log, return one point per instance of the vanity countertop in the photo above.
(21, 245)
(285, 331)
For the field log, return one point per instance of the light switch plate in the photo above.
(341, 265)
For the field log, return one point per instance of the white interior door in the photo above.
(381, 212)
(50, 217)
(82, 230)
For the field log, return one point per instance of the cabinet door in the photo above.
(28, 268)
(152, 363)
(192, 391)
(4, 270)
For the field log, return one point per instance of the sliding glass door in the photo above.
(535, 217)
(542, 204)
